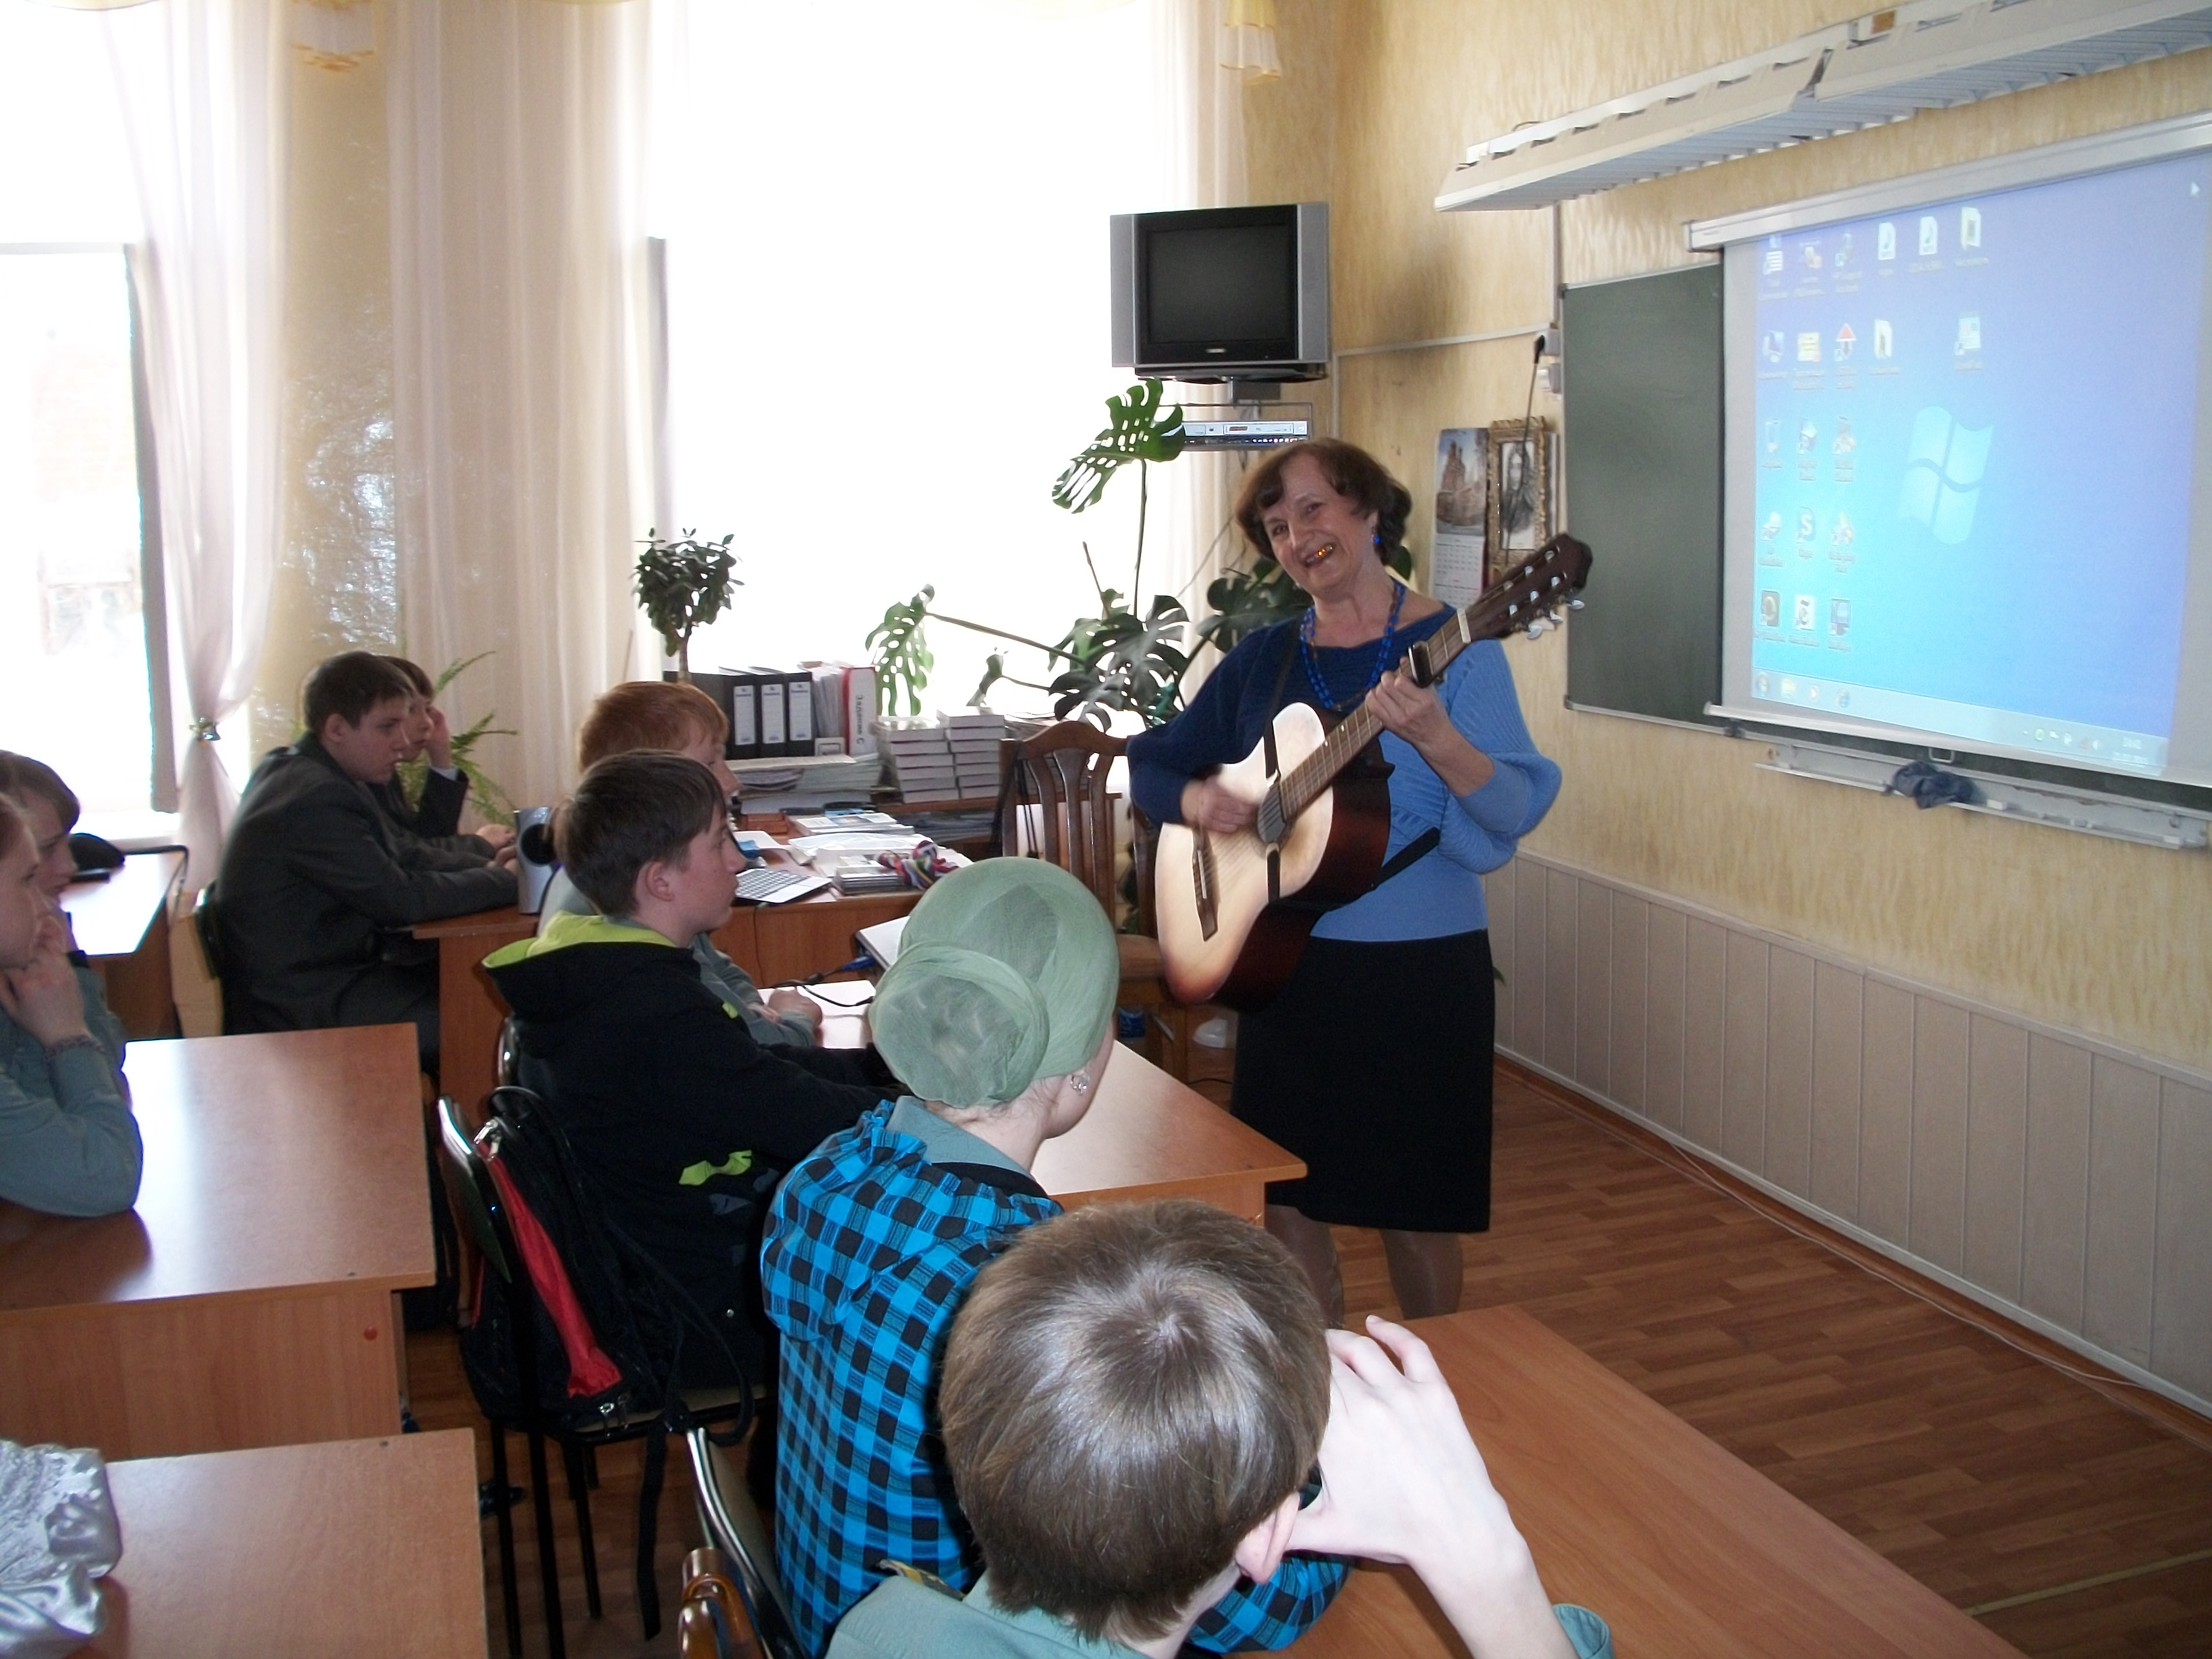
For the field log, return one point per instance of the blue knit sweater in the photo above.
(1438, 896)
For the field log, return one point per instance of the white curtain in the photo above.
(1200, 53)
(204, 91)
(520, 391)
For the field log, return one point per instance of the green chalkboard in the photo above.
(1643, 477)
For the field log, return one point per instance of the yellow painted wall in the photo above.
(1380, 98)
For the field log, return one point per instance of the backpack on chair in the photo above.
(607, 1323)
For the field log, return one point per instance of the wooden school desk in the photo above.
(351, 1547)
(770, 942)
(1146, 1136)
(246, 1301)
(1630, 1511)
(122, 924)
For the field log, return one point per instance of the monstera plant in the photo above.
(1117, 658)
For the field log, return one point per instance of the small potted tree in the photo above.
(682, 586)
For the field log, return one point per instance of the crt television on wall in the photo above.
(1222, 294)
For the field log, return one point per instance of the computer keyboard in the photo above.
(773, 885)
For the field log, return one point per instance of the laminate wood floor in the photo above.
(2074, 1527)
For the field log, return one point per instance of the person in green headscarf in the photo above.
(998, 1014)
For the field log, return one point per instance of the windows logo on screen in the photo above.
(1943, 475)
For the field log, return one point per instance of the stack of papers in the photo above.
(975, 738)
(921, 755)
(789, 783)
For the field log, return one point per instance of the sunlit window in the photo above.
(73, 641)
(888, 328)
(73, 599)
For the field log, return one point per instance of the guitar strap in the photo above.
(1411, 853)
(1267, 741)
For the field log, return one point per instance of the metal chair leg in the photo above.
(548, 1565)
(580, 1494)
(510, 1600)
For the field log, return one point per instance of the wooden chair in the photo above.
(476, 1198)
(733, 1525)
(714, 1623)
(1053, 803)
(196, 983)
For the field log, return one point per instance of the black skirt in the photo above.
(1374, 1067)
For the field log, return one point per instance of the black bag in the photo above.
(600, 1312)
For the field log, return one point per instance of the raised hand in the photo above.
(1402, 1481)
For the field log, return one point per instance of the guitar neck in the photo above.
(1558, 570)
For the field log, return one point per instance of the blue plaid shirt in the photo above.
(869, 1248)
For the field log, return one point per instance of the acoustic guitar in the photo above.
(1234, 910)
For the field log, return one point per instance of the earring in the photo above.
(1080, 1082)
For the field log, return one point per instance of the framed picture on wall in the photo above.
(1519, 495)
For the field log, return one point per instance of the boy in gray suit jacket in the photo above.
(317, 892)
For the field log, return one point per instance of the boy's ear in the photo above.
(650, 882)
(1262, 1550)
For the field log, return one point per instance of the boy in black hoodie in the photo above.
(685, 1122)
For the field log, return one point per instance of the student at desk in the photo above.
(68, 1142)
(639, 716)
(316, 891)
(1133, 1397)
(436, 817)
(50, 807)
(1000, 1011)
(684, 1123)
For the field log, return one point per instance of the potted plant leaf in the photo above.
(1116, 660)
(682, 586)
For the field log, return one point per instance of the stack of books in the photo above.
(975, 735)
(919, 752)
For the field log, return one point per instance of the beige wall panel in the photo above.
(1631, 928)
(1705, 980)
(1380, 101)
(1289, 125)
(2181, 1314)
(1594, 988)
(1497, 890)
(1886, 1112)
(1836, 1054)
(1790, 1069)
(1665, 1017)
(2056, 1243)
(1997, 1152)
(1939, 1132)
(2124, 1114)
(1560, 905)
(1530, 885)
(1743, 1077)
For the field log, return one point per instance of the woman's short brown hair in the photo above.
(649, 714)
(1352, 472)
(29, 780)
(1127, 1392)
(13, 826)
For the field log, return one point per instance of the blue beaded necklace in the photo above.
(1382, 651)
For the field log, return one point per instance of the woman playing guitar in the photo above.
(1373, 1064)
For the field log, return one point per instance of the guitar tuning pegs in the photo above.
(1536, 629)
(1574, 605)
